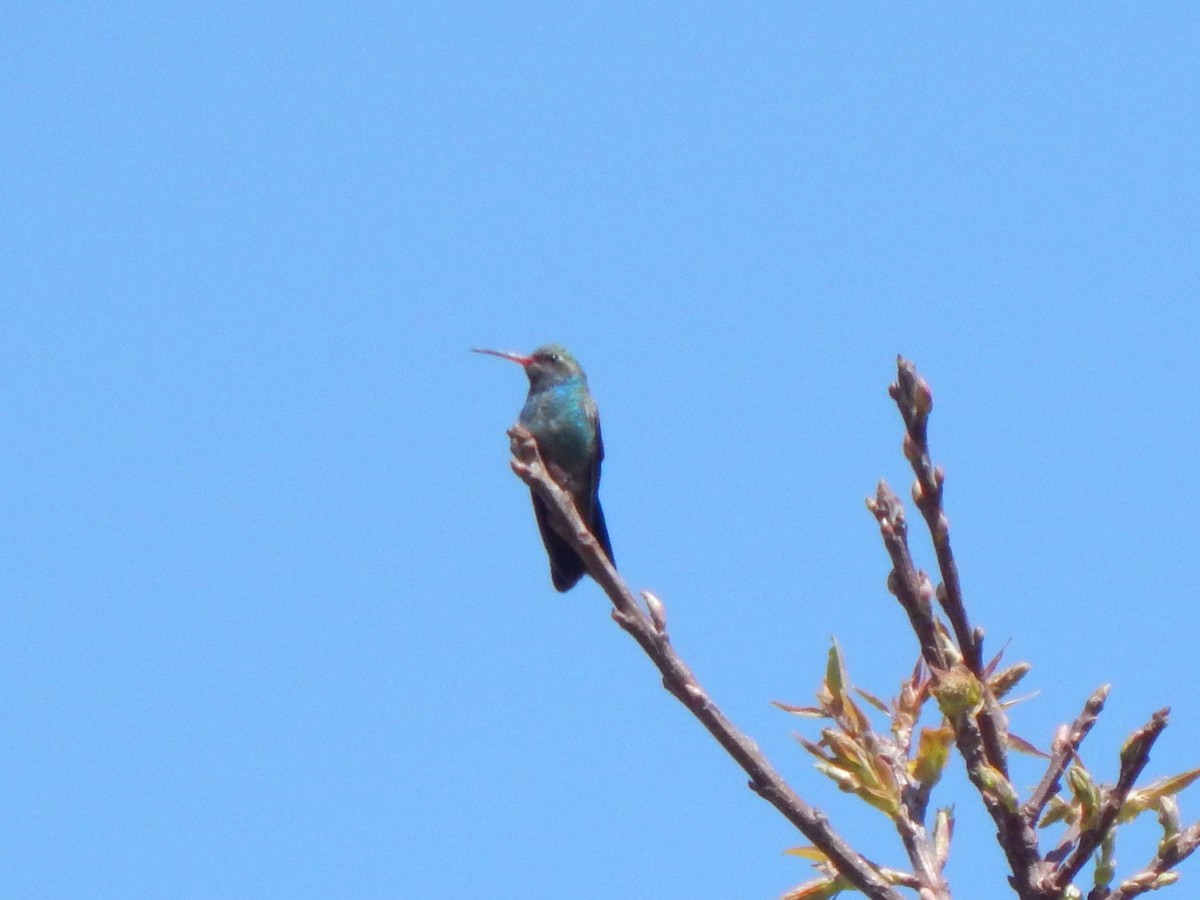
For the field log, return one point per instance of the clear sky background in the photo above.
(274, 617)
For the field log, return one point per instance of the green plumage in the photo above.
(562, 417)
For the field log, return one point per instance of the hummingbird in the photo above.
(562, 417)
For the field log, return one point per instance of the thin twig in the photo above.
(1134, 756)
(1170, 854)
(1064, 751)
(911, 588)
(909, 818)
(919, 847)
(914, 399)
(679, 680)
(980, 737)
(908, 584)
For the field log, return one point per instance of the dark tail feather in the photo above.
(566, 568)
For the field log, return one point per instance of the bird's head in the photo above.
(546, 366)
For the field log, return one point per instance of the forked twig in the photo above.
(1134, 756)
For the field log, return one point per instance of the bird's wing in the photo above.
(566, 568)
(595, 515)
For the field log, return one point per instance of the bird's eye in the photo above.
(552, 357)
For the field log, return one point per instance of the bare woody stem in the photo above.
(1134, 756)
(911, 588)
(1064, 750)
(980, 737)
(915, 401)
(650, 632)
(1170, 853)
(906, 583)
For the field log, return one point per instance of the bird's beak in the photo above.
(512, 357)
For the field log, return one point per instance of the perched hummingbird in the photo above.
(562, 417)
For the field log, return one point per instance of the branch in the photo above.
(979, 733)
(649, 630)
(906, 582)
(922, 853)
(1134, 756)
(1065, 749)
(1170, 853)
(915, 401)
(911, 588)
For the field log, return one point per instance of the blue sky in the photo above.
(274, 617)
